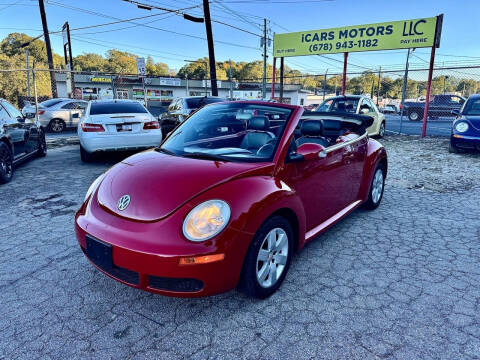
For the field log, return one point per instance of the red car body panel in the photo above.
(147, 237)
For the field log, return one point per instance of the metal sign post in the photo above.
(438, 34)
(273, 77)
(344, 79)
(142, 71)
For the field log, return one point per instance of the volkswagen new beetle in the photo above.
(228, 198)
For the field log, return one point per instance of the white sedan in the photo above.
(117, 125)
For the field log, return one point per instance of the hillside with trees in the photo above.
(14, 83)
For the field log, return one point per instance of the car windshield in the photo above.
(50, 103)
(339, 105)
(113, 107)
(472, 107)
(195, 103)
(230, 132)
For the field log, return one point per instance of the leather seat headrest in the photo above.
(259, 123)
(331, 124)
(311, 128)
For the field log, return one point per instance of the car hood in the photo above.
(158, 183)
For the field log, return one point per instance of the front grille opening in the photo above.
(175, 284)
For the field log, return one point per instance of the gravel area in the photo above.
(400, 282)
(426, 164)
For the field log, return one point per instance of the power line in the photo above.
(152, 27)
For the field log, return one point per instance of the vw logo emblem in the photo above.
(123, 202)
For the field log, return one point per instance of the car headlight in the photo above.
(93, 186)
(206, 220)
(461, 127)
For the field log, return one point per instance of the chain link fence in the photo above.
(402, 102)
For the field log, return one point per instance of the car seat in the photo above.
(258, 134)
(332, 129)
(312, 133)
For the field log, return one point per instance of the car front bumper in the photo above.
(465, 142)
(147, 256)
(93, 142)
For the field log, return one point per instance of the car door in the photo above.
(15, 130)
(366, 104)
(68, 110)
(323, 184)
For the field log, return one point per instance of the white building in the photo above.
(162, 90)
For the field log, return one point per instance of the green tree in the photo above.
(121, 62)
(89, 62)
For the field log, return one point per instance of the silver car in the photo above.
(56, 115)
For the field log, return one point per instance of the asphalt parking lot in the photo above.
(435, 127)
(401, 282)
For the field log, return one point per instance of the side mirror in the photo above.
(76, 116)
(310, 151)
(20, 119)
(456, 112)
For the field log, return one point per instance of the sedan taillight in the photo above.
(151, 125)
(87, 127)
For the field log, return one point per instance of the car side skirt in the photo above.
(311, 234)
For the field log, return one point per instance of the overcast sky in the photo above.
(163, 39)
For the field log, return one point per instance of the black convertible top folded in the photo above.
(347, 119)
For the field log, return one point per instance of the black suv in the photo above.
(20, 139)
(181, 108)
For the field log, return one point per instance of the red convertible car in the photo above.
(228, 198)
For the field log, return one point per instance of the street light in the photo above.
(206, 71)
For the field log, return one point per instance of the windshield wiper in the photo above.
(202, 155)
(165, 151)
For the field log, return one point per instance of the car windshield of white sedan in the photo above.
(230, 132)
(472, 107)
(117, 107)
(339, 105)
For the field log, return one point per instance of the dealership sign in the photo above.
(382, 36)
(100, 79)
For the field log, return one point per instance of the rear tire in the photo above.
(377, 187)
(268, 258)
(6, 163)
(415, 115)
(56, 126)
(42, 145)
(85, 156)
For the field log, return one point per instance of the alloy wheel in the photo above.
(413, 116)
(272, 257)
(56, 126)
(377, 186)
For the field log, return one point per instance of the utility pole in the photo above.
(49, 48)
(211, 51)
(230, 78)
(28, 72)
(325, 84)
(379, 80)
(68, 58)
(404, 89)
(264, 84)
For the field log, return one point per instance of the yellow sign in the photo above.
(383, 36)
(101, 79)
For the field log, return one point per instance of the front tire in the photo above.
(268, 258)
(377, 187)
(452, 149)
(6, 163)
(85, 156)
(56, 126)
(381, 131)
